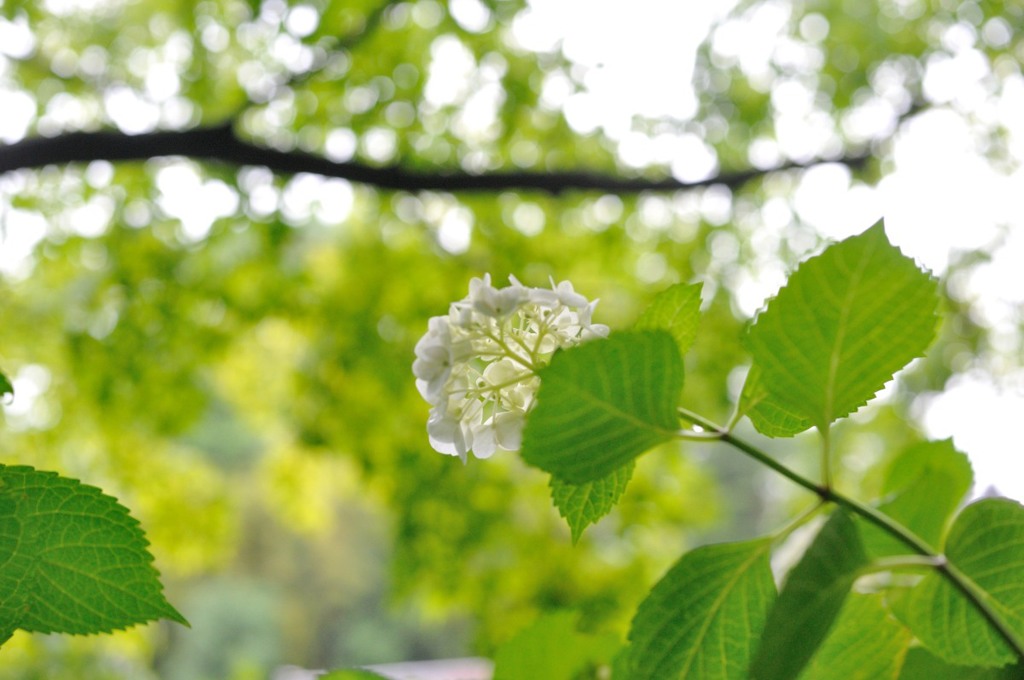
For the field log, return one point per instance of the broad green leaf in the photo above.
(769, 416)
(676, 310)
(552, 649)
(865, 643)
(810, 600)
(602, 404)
(986, 543)
(72, 560)
(703, 618)
(921, 665)
(923, 487)
(583, 504)
(352, 674)
(844, 323)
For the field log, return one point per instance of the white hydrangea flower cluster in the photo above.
(478, 365)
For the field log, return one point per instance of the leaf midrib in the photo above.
(608, 407)
(708, 620)
(844, 313)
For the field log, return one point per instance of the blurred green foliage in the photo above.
(246, 390)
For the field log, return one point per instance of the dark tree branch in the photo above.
(221, 144)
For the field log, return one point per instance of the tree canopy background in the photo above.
(226, 223)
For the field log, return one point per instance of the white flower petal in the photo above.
(508, 429)
(567, 295)
(460, 314)
(503, 371)
(485, 443)
(431, 364)
(423, 387)
(447, 448)
(543, 297)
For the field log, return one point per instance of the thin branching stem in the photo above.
(901, 563)
(978, 598)
(753, 452)
(797, 522)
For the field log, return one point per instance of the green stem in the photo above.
(753, 452)
(693, 436)
(887, 524)
(734, 417)
(902, 562)
(800, 520)
(514, 356)
(978, 598)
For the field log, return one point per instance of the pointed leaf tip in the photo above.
(841, 327)
(583, 504)
(676, 310)
(72, 560)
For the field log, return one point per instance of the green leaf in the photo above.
(676, 310)
(865, 643)
(602, 404)
(845, 322)
(703, 618)
(583, 504)
(769, 416)
(986, 543)
(72, 560)
(810, 600)
(921, 665)
(552, 649)
(923, 486)
(5, 386)
(352, 674)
